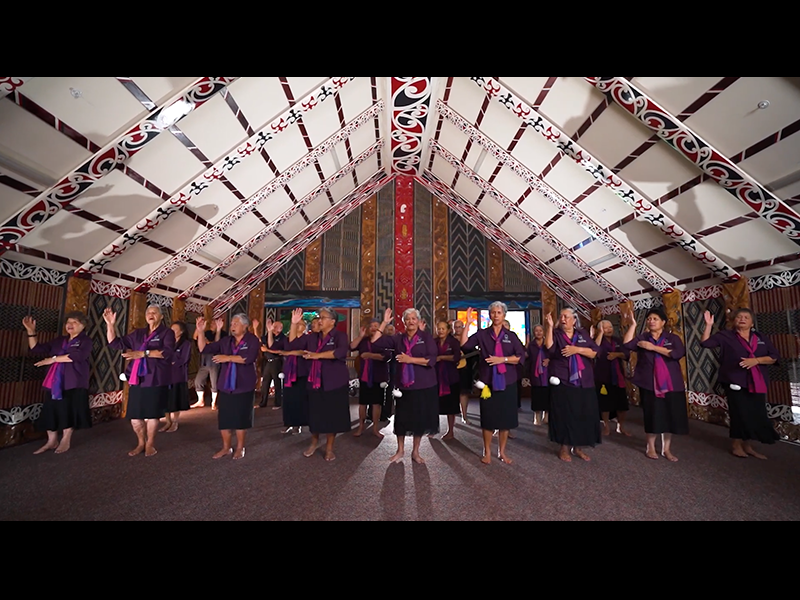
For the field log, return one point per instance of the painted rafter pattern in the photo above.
(700, 153)
(267, 231)
(99, 166)
(557, 199)
(411, 106)
(204, 182)
(513, 248)
(300, 242)
(250, 205)
(10, 84)
(528, 221)
(643, 207)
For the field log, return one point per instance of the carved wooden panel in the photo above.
(441, 260)
(674, 311)
(369, 252)
(179, 311)
(549, 305)
(78, 291)
(737, 295)
(495, 267)
(313, 274)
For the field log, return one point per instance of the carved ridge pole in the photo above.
(441, 260)
(369, 264)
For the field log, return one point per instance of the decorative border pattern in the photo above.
(494, 89)
(109, 399)
(523, 216)
(10, 84)
(721, 169)
(195, 307)
(267, 231)
(768, 282)
(253, 146)
(299, 243)
(17, 270)
(411, 98)
(776, 413)
(479, 221)
(705, 293)
(17, 416)
(101, 288)
(403, 250)
(99, 166)
(252, 204)
(161, 301)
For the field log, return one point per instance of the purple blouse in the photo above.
(511, 347)
(335, 374)
(180, 362)
(380, 373)
(533, 356)
(450, 369)
(559, 364)
(734, 352)
(425, 377)
(303, 368)
(644, 377)
(159, 371)
(76, 373)
(246, 377)
(603, 367)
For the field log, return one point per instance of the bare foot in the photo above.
(449, 437)
(417, 459)
(739, 454)
(139, 450)
(173, 429)
(240, 454)
(330, 457)
(47, 448)
(504, 458)
(310, 452)
(379, 435)
(63, 448)
(358, 432)
(565, 456)
(621, 431)
(398, 457)
(652, 454)
(749, 451)
(223, 453)
(583, 456)
(486, 460)
(607, 431)
(511, 435)
(165, 428)
(151, 452)
(670, 457)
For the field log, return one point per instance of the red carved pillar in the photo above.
(404, 249)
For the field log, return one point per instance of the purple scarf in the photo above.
(444, 376)
(290, 371)
(540, 372)
(755, 381)
(139, 370)
(316, 367)
(55, 376)
(617, 375)
(409, 377)
(499, 372)
(663, 380)
(576, 364)
(230, 380)
(368, 376)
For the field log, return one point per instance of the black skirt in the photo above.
(147, 404)
(236, 412)
(500, 412)
(750, 420)
(72, 412)
(417, 413)
(329, 412)
(540, 399)
(295, 404)
(616, 401)
(668, 415)
(466, 381)
(451, 405)
(371, 396)
(178, 398)
(574, 420)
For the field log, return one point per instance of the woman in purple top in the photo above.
(660, 381)
(746, 356)
(178, 397)
(609, 375)
(416, 384)
(374, 375)
(67, 408)
(328, 381)
(149, 354)
(295, 381)
(238, 379)
(574, 408)
(538, 361)
(449, 377)
(501, 353)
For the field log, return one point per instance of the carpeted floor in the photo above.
(98, 482)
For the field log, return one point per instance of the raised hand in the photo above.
(201, 324)
(388, 316)
(549, 320)
(30, 325)
(256, 325)
(297, 316)
(110, 317)
(709, 319)
(220, 323)
(363, 333)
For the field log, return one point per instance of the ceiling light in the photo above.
(764, 105)
(173, 113)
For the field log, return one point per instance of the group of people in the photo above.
(578, 379)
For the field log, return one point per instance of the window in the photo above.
(518, 320)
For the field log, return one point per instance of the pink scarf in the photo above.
(663, 380)
(55, 376)
(140, 364)
(755, 380)
(540, 372)
(316, 367)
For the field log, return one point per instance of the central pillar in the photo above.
(404, 249)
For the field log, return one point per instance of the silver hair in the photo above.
(412, 311)
(574, 314)
(499, 305)
(158, 308)
(245, 320)
(328, 311)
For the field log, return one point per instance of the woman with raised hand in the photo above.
(178, 397)
(501, 353)
(574, 408)
(660, 381)
(609, 372)
(538, 363)
(374, 375)
(295, 380)
(449, 377)
(149, 353)
(237, 353)
(416, 384)
(67, 408)
(746, 356)
(328, 380)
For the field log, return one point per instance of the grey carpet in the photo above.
(98, 482)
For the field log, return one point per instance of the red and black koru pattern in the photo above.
(714, 164)
(411, 107)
